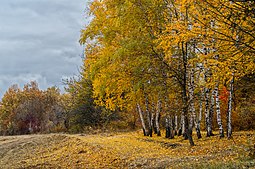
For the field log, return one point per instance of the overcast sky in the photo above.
(39, 41)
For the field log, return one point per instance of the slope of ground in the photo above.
(125, 150)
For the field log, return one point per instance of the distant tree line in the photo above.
(31, 110)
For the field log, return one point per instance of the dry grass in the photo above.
(125, 150)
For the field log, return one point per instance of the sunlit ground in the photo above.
(126, 150)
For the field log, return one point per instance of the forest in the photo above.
(170, 68)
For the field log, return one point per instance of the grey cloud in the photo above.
(21, 80)
(39, 41)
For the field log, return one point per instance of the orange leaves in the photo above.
(29, 110)
(224, 94)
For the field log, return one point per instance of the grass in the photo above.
(125, 150)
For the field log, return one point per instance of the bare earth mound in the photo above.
(125, 150)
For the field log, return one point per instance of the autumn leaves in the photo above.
(142, 52)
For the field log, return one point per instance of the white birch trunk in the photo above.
(171, 120)
(167, 127)
(207, 111)
(211, 112)
(200, 117)
(159, 109)
(183, 124)
(30, 129)
(200, 112)
(191, 96)
(193, 120)
(152, 122)
(219, 121)
(148, 114)
(176, 124)
(230, 107)
(207, 107)
(145, 130)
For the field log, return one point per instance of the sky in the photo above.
(39, 40)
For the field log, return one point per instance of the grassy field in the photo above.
(125, 150)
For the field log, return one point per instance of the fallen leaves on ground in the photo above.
(125, 150)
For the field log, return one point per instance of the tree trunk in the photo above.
(167, 128)
(207, 111)
(199, 117)
(207, 106)
(230, 107)
(157, 119)
(171, 126)
(145, 130)
(181, 128)
(175, 125)
(152, 123)
(211, 112)
(149, 116)
(219, 121)
(201, 94)
(30, 129)
(184, 95)
(191, 96)
(168, 119)
(193, 119)
(153, 118)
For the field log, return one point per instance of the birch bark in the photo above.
(211, 112)
(171, 122)
(184, 94)
(145, 130)
(167, 128)
(219, 121)
(207, 107)
(175, 124)
(193, 118)
(229, 134)
(149, 116)
(207, 112)
(200, 117)
(157, 119)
